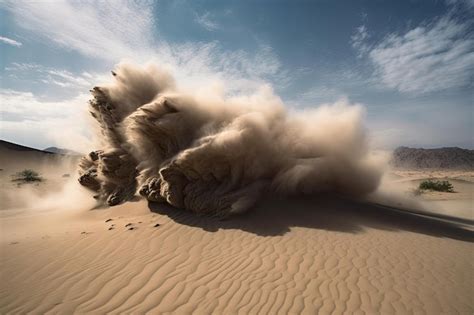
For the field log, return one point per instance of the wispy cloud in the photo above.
(432, 57)
(359, 40)
(205, 20)
(469, 4)
(10, 41)
(198, 65)
(109, 30)
(54, 76)
(60, 123)
(443, 123)
(320, 94)
(117, 30)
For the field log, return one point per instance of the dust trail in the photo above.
(217, 155)
(57, 190)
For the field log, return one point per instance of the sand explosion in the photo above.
(216, 155)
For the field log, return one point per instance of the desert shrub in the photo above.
(436, 185)
(28, 176)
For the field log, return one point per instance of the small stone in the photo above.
(131, 228)
(111, 228)
(128, 224)
(156, 225)
(108, 220)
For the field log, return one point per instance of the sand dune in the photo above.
(291, 256)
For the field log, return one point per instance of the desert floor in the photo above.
(307, 255)
(460, 203)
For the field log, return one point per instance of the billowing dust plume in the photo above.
(217, 155)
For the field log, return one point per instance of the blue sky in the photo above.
(410, 63)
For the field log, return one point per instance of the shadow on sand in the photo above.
(276, 216)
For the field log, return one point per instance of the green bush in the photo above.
(436, 185)
(28, 176)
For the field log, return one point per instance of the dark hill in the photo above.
(440, 158)
(18, 147)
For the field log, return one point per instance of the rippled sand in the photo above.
(314, 255)
(294, 256)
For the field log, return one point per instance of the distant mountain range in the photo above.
(441, 158)
(453, 158)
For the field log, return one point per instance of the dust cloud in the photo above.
(214, 154)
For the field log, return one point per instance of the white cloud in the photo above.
(53, 76)
(442, 125)
(427, 58)
(60, 123)
(205, 20)
(198, 65)
(119, 30)
(10, 41)
(110, 32)
(107, 30)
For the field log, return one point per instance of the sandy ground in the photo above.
(56, 171)
(321, 254)
(460, 203)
